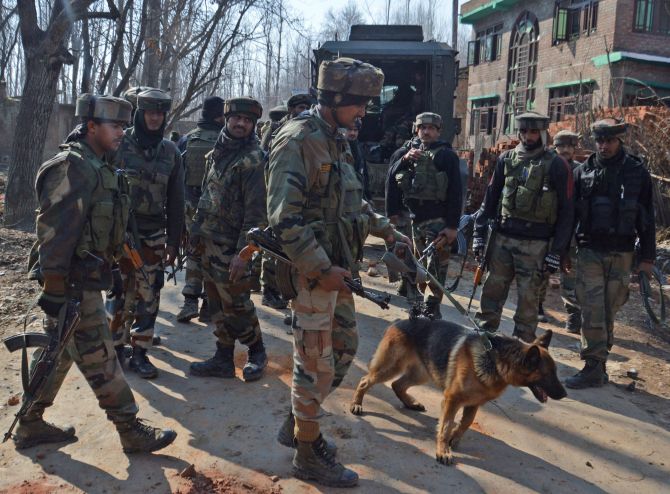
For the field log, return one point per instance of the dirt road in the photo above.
(604, 440)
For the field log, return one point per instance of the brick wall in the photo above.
(625, 39)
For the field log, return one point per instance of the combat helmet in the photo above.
(245, 105)
(566, 138)
(154, 99)
(130, 94)
(532, 121)
(278, 112)
(349, 77)
(609, 127)
(428, 118)
(105, 108)
(300, 99)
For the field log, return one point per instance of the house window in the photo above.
(486, 47)
(522, 69)
(484, 117)
(569, 100)
(573, 18)
(652, 16)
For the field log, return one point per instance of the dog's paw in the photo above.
(416, 406)
(445, 458)
(356, 409)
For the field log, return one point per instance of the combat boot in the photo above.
(138, 437)
(286, 436)
(121, 354)
(591, 376)
(432, 310)
(256, 362)
(272, 299)
(312, 461)
(140, 364)
(189, 310)
(220, 365)
(33, 432)
(526, 336)
(541, 316)
(204, 315)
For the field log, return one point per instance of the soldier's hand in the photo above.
(413, 154)
(566, 264)
(170, 255)
(333, 280)
(478, 244)
(646, 267)
(238, 268)
(445, 237)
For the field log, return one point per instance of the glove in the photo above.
(51, 304)
(552, 263)
(478, 244)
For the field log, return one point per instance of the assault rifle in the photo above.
(484, 262)
(264, 240)
(52, 346)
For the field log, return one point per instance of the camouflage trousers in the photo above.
(513, 258)
(568, 281)
(92, 350)
(193, 275)
(602, 289)
(324, 347)
(423, 234)
(133, 314)
(230, 304)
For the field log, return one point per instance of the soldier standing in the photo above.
(530, 197)
(232, 202)
(194, 146)
(80, 227)
(154, 169)
(316, 210)
(296, 104)
(614, 208)
(425, 178)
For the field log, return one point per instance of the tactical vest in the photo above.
(200, 142)
(423, 181)
(609, 213)
(528, 194)
(105, 226)
(148, 177)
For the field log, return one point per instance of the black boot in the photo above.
(256, 362)
(541, 316)
(312, 461)
(432, 310)
(286, 436)
(591, 376)
(526, 336)
(189, 310)
(140, 364)
(273, 299)
(204, 315)
(220, 365)
(122, 354)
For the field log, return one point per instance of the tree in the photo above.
(338, 22)
(46, 53)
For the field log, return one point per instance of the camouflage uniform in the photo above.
(530, 197)
(232, 202)
(614, 207)
(83, 210)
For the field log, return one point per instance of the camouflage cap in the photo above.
(349, 76)
(130, 94)
(609, 127)
(300, 99)
(532, 120)
(566, 138)
(428, 118)
(154, 99)
(245, 105)
(103, 108)
(278, 112)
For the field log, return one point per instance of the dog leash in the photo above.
(646, 293)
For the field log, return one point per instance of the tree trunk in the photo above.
(88, 58)
(152, 41)
(454, 24)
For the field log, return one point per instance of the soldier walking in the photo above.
(530, 197)
(83, 209)
(232, 202)
(614, 208)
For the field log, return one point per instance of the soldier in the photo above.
(425, 178)
(614, 207)
(232, 202)
(194, 146)
(316, 210)
(296, 104)
(358, 156)
(530, 197)
(566, 143)
(156, 178)
(80, 227)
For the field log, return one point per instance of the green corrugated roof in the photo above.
(484, 96)
(487, 9)
(618, 56)
(583, 82)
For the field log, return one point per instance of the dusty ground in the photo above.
(604, 440)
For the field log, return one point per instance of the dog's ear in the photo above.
(545, 339)
(532, 358)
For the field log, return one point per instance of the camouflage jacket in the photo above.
(315, 198)
(269, 130)
(233, 192)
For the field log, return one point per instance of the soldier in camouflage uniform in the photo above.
(232, 202)
(565, 143)
(296, 104)
(316, 210)
(80, 227)
(530, 197)
(425, 178)
(154, 170)
(194, 146)
(614, 208)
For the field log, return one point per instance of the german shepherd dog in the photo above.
(456, 360)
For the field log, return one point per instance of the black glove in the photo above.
(51, 304)
(478, 244)
(117, 283)
(552, 263)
